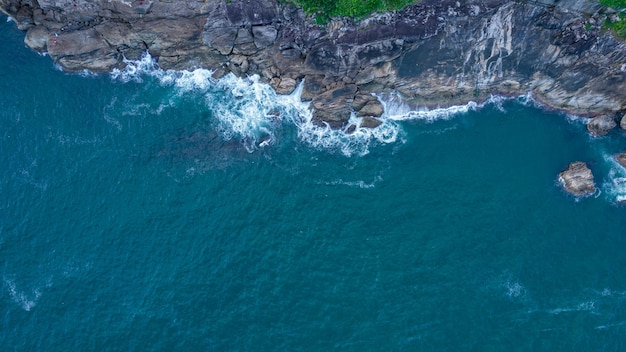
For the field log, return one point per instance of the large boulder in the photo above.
(334, 107)
(372, 108)
(578, 179)
(601, 125)
(370, 122)
(36, 38)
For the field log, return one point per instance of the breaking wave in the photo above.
(615, 184)
(398, 110)
(250, 110)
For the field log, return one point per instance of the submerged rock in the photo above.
(578, 179)
(601, 125)
(621, 158)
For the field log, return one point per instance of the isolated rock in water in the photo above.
(621, 158)
(601, 125)
(578, 179)
(622, 124)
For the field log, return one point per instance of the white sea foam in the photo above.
(514, 289)
(356, 184)
(135, 70)
(615, 185)
(398, 110)
(587, 306)
(251, 111)
(25, 301)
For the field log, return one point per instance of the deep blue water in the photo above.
(162, 211)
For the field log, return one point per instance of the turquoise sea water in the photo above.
(162, 211)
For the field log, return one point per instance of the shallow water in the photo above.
(154, 210)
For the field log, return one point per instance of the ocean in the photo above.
(151, 210)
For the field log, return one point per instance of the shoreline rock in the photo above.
(433, 53)
(578, 179)
(601, 125)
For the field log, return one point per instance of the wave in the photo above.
(26, 302)
(587, 306)
(398, 110)
(615, 184)
(356, 184)
(252, 111)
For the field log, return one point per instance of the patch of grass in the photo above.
(616, 4)
(618, 27)
(327, 9)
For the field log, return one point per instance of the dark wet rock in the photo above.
(578, 179)
(351, 129)
(360, 100)
(286, 86)
(312, 87)
(601, 125)
(334, 107)
(372, 108)
(621, 158)
(264, 36)
(370, 122)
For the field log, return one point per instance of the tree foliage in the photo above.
(326, 9)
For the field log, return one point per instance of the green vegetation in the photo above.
(616, 4)
(326, 9)
(617, 22)
(617, 27)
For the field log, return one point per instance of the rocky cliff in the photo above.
(434, 53)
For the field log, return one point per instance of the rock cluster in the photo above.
(433, 53)
(578, 179)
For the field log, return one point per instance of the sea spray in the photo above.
(253, 112)
(615, 184)
(398, 110)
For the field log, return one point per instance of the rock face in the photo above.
(622, 123)
(434, 53)
(601, 125)
(578, 179)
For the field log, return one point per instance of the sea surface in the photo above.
(148, 210)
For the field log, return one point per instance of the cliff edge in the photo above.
(433, 53)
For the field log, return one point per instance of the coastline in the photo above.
(431, 55)
(435, 53)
